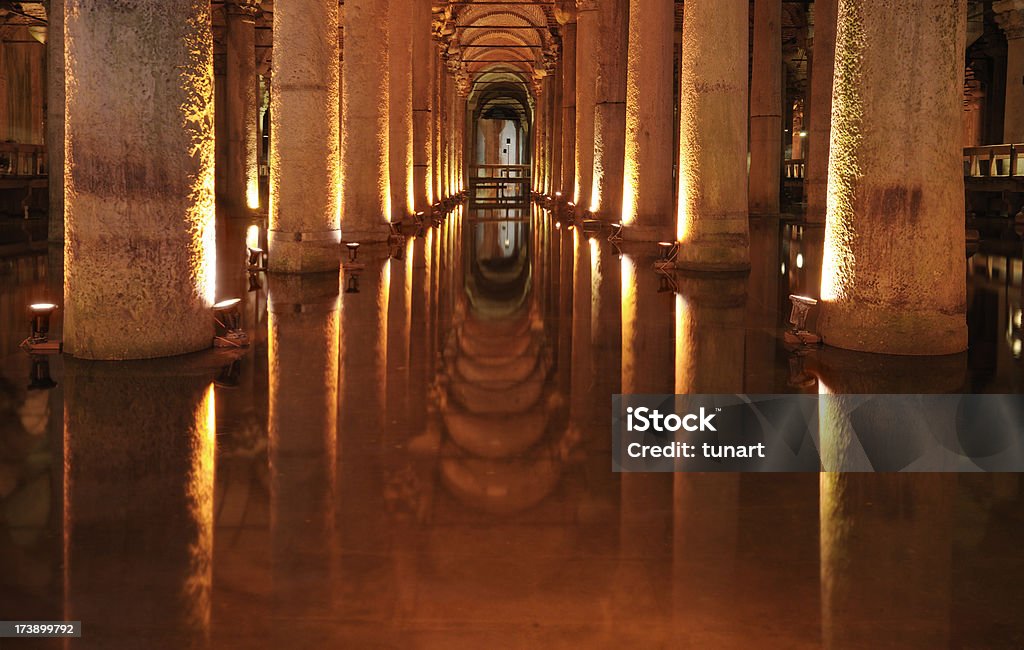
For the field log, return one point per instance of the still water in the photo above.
(416, 453)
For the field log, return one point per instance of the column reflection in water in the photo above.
(582, 371)
(364, 528)
(302, 428)
(139, 446)
(645, 518)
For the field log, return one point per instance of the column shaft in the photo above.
(586, 72)
(568, 175)
(55, 119)
(139, 247)
(1010, 16)
(304, 224)
(712, 222)
(422, 89)
(820, 123)
(647, 186)
(610, 110)
(242, 108)
(766, 108)
(400, 51)
(366, 176)
(882, 290)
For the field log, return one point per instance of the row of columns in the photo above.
(346, 159)
(880, 189)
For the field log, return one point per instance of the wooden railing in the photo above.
(998, 161)
(22, 160)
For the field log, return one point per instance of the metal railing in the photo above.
(994, 161)
(499, 184)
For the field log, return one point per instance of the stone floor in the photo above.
(426, 463)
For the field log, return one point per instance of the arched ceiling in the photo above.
(499, 51)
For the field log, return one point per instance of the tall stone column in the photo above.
(882, 290)
(55, 119)
(586, 71)
(540, 139)
(304, 220)
(556, 131)
(422, 89)
(712, 223)
(139, 246)
(366, 174)
(610, 109)
(567, 19)
(820, 123)
(647, 205)
(243, 190)
(400, 123)
(1010, 16)
(766, 108)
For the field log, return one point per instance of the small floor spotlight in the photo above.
(353, 251)
(616, 232)
(395, 234)
(667, 252)
(227, 316)
(38, 340)
(39, 375)
(592, 227)
(257, 259)
(798, 334)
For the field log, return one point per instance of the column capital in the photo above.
(586, 5)
(1010, 16)
(250, 8)
(565, 12)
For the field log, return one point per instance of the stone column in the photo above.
(366, 182)
(567, 19)
(587, 46)
(139, 247)
(400, 53)
(712, 223)
(556, 131)
(55, 118)
(882, 290)
(304, 220)
(820, 115)
(422, 89)
(610, 109)
(1010, 16)
(243, 191)
(647, 205)
(766, 108)
(540, 140)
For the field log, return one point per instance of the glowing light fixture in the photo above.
(798, 334)
(353, 251)
(38, 341)
(228, 332)
(799, 260)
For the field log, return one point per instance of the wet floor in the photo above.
(416, 453)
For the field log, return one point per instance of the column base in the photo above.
(723, 254)
(887, 330)
(303, 252)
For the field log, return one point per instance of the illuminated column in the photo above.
(400, 123)
(647, 206)
(303, 323)
(366, 183)
(882, 289)
(820, 126)
(766, 108)
(304, 225)
(242, 108)
(586, 71)
(712, 222)
(139, 448)
(55, 118)
(610, 109)
(1010, 16)
(567, 19)
(139, 246)
(422, 90)
(556, 131)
